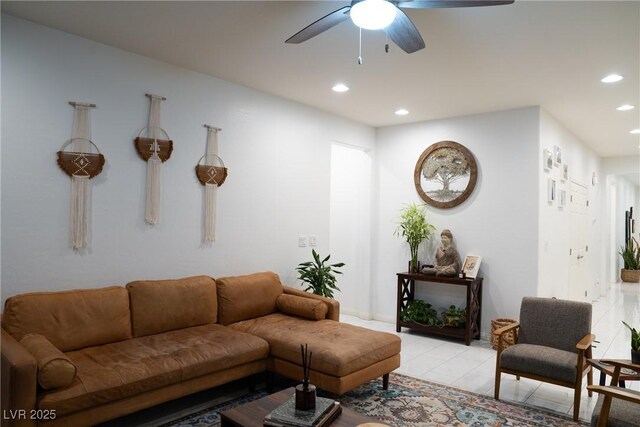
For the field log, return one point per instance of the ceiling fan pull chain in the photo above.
(360, 48)
(386, 41)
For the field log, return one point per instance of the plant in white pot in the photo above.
(631, 256)
(415, 229)
(635, 344)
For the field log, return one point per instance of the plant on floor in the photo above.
(421, 312)
(415, 229)
(319, 275)
(456, 317)
(630, 255)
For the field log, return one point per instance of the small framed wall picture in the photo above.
(557, 155)
(551, 190)
(471, 265)
(562, 201)
(565, 172)
(547, 159)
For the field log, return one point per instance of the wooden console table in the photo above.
(406, 293)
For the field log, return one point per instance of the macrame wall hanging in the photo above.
(80, 158)
(155, 150)
(211, 173)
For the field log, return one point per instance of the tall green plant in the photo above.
(415, 229)
(630, 255)
(319, 276)
(635, 337)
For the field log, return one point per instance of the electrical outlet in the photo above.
(302, 241)
(313, 241)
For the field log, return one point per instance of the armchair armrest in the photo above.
(585, 342)
(616, 392)
(505, 329)
(19, 380)
(333, 306)
(501, 331)
(622, 364)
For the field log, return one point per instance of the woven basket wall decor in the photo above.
(145, 146)
(75, 163)
(211, 174)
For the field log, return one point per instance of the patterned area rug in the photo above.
(414, 402)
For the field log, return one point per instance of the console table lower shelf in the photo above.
(406, 294)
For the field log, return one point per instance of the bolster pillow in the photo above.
(54, 368)
(302, 307)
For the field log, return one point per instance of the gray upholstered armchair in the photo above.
(617, 406)
(553, 340)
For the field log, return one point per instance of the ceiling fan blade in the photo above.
(320, 26)
(437, 4)
(404, 33)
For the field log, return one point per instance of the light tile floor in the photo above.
(472, 368)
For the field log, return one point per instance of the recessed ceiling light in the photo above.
(612, 78)
(340, 88)
(635, 131)
(402, 112)
(625, 107)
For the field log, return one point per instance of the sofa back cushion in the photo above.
(247, 297)
(166, 305)
(70, 320)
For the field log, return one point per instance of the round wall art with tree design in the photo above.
(446, 174)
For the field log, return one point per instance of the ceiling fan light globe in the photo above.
(373, 14)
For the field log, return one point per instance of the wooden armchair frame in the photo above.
(583, 368)
(613, 391)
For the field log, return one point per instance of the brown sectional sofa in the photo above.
(86, 356)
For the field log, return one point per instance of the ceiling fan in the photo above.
(387, 14)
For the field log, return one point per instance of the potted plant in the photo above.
(455, 317)
(415, 229)
(420, 312)
(631, 256)
(635, 344)
(319, 276)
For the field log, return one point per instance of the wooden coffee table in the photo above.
(252, 414)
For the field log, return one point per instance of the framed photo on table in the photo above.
(471, 265)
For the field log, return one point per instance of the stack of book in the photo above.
(286, 415)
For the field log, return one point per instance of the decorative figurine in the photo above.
(447, 258)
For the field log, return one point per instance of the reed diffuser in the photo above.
(305, 392)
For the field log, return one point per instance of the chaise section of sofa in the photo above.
(344, 356)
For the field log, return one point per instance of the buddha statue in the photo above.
(447, 258)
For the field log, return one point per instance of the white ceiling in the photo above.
(477, 60)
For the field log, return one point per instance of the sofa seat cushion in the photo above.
(338, 348)
(546, 361)
(115, 371)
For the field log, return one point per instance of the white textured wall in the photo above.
(499, 221)
(278, 155)
(554, 240)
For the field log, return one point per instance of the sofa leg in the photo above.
(252, 383)
(385, 381)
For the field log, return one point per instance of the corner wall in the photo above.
(278, 154)
(554, 230)
(499, 221)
